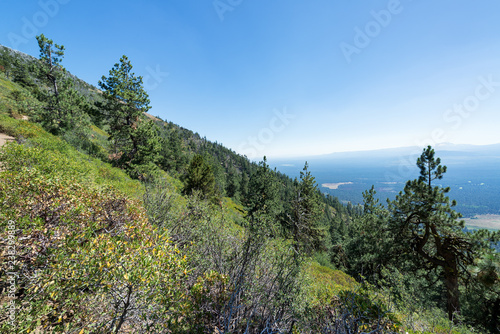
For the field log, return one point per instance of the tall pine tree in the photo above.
(62, 104)
(263, 193)
(200, 178)
(135, 139)
(307, 210)
(428, 230)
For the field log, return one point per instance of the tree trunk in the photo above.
(452, 293)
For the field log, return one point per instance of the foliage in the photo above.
(59, 155)
(135, 139)
(241, 280)
(481, 297)
(86, 257)
(172, 157)
(93, 259)
(6, 61)
(61, 110)
(427, 229)
(350, 310)
(304, 226)
(263, 203)
(369, 246)
(325, 283)
(200, 178)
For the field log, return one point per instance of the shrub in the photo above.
(86, 258)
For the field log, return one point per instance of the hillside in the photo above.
(115, 221)
(82, 167)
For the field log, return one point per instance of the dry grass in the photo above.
(334, 185)
(484, 221)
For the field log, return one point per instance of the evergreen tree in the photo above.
(172, 157)
(428, 230)
(233, 183)
(244, 183)
(218, 171)
(135, 139)
(6, 62)
(304, 223)
(51, 56)
(200, 178)
(263, 196)
(368, 245)
(61, 111)
(147, 141)
(21, 75)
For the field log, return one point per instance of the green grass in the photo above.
(236, 211)
(6, 86)
(79, 163)
(326, 283)
(8, 104)
(35, 136)
(99, 132)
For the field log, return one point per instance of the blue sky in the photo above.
(289, 78)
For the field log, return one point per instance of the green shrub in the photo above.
(87, 258)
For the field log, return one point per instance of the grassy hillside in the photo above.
(89, 249)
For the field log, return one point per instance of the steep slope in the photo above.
(97, 251)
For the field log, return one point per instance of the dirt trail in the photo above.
(4, 138)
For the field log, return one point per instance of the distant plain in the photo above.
(473, 176)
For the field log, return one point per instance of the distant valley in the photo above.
(473, 176)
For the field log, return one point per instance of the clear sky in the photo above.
(289, 78)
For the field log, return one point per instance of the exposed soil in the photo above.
(334, 185)
(4, 138)
(484, 221)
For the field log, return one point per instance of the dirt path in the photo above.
(4, 138)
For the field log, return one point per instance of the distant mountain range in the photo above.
(443, 150)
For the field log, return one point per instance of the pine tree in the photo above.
(263, 196)
(429, 231)
(200, 178)
(304, 222)
(233, 183)
(20, 74)
(6, 62)
(61, 111)
(368, 247)
(172, 157)
(244, 184)
(135, 139)
(51, 56)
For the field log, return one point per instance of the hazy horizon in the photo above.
(415, 149)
